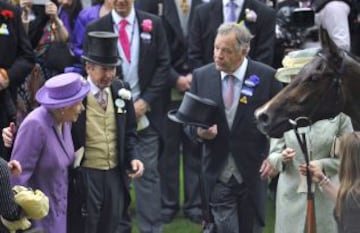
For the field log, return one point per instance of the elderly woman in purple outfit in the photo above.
(44, 146)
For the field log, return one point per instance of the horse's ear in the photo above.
(327, 42)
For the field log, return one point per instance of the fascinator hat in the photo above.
(293, 62)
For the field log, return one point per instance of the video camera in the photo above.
(303, 17)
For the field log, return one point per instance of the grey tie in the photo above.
(101, 98)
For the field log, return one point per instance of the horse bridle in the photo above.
(336, 83)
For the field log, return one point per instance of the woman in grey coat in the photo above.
(286, 156)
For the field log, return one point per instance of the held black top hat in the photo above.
(102, 49)
(195, 111)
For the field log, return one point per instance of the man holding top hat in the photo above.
(234, 148)
(106, 133)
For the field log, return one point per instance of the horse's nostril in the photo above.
(263, 117)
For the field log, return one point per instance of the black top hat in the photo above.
(195, 111)
(102, 49)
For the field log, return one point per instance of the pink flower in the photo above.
(146, 25)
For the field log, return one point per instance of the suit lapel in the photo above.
(115, 86)
(241, 106)
(143, 45)
(242, 13)
(172, 16)
(216, 10)
(63, 139)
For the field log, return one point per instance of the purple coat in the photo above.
(85, 17)
(45, 158)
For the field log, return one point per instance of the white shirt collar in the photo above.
(94, 89)
(239, 72)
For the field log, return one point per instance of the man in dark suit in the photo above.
(177, 17)
(145, 65)
(257, 17)
(106, 133)
(234, 148)
(16, 62)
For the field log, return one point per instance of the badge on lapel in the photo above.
(4, 29)
(248, 88)
(124, 95)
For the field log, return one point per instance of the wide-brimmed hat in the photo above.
(195, 111)
(62, 90)
(102, 49)
(293, 62)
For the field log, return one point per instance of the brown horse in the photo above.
(326, 86)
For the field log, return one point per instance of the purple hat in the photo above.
(62, 90)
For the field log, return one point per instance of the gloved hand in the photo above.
(21, 224)
(35, 204)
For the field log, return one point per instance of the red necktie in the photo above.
(124, 39)
(228, 95)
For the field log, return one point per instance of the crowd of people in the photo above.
(92, 85)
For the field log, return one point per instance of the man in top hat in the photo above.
(145, 65)
(234, 147)
(106, 131)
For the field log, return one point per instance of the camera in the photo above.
(303, 17)
(39, 2)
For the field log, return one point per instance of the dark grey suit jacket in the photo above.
(246, 143)
(209, 16)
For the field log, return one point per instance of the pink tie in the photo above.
(124, 39)
(228, 94)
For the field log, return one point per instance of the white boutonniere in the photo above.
(250, 15)
(124, 95)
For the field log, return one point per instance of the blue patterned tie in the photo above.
(232, 11)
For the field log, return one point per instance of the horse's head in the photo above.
(316, 93)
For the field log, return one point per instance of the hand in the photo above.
(137, 169)
(51, 10)
(4, 82)
(288, 154)
(25, 5)
(183, 83)
(315, 171)
(15, 167)
(207, 134)
(267, 170)
(141, 108)
(8, 134)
